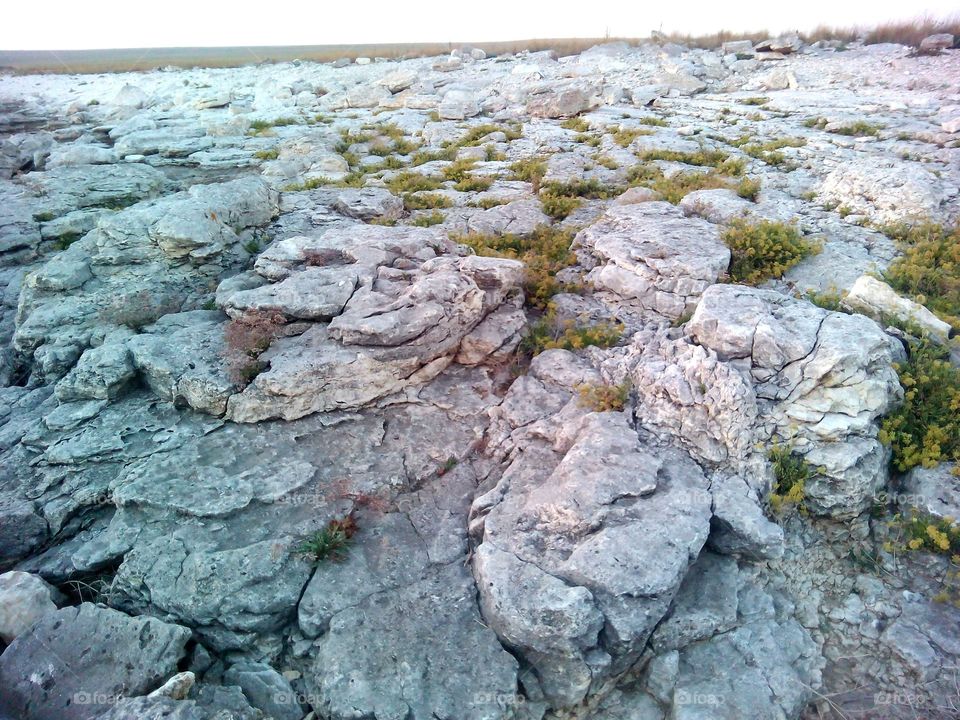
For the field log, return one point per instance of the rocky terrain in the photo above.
(423, 390)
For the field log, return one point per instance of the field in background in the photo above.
(909, 32)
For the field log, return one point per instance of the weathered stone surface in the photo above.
(24, 600)
(888, 191)
(398, 333)
(105, 652)
(561, 100)
(369, 203)
(652, 253)
(822, 379)
(552, 547)
(880, 301)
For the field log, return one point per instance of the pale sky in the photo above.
(71, 24)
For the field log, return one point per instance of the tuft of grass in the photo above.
(421, 157)
(458, 170)
(815, 122)
(763, 250)
(604, 398)
(271, 154)
(831, 300)
(545, 252)
(559, 199)
(674, 188)
(426, 201)
(488, 202)
(791, 473)
(624, 136)
(703, 158)
(550, 332)
(331, 542)
(577, 124)
(413, 182)
(653, 121)
(748, 189)
(530, 170)
(45, 216)
(429, 220)
(754, 100)
(860, 128)
(925, 429)
(474, 184)
(929, 269)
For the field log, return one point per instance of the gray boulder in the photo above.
(652, 254)
(76, 661)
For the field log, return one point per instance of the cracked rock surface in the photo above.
(277, 439)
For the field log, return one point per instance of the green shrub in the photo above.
(791, 473)
(488, 202)
(754, 101)
(413, 182)
(459, 170)
(428, 220)
(587, 139)
(702, 158)
(625, 136)
(828, 299)
(474, 184)
(529, 170)
(748, 189)
(606, 161)
(925, 429)
(332, 541)
(674, 188)
(858, 129)
(271, 154)
(929, 269)
(815, 122)
(653, 121)
(550, 333)
(763, 250)
(545, 252)
(578, 124)
(426, 201)
(604, 398)
(422, 157)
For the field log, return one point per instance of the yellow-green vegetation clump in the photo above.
(919, 532)
(413, 182)
(748, 189)
(529, 170)
(559, 199)
(577, 124)
(601, 397)
(859, 128)
(769, 151)
(426, 201)
(625, 136)
(929, 269)
(759, 100)
(429, 219)
(550, 332)
(545, 252)
(791, 473)
(925, 429)
(703, 158)
(269, 154)
(764, 249)
(675, 187)
(653, 121)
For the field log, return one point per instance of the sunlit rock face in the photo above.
(419, 388)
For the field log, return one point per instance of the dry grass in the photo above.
(911, 32)
(906, 32)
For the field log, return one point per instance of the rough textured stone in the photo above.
(105, 652)
(24, 600)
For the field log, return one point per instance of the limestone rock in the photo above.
(109, 653)
(878, 300)
(651, 253)
(24, 600)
